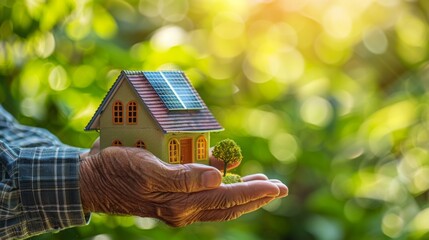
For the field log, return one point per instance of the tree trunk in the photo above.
(224, 169)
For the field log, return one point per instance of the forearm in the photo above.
(39, 185)
(40, 190)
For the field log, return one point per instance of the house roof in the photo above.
(173, 120)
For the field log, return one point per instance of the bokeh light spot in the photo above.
(104, 24)
(58, 79)
(167, 37)
(78, 27)
(226, 48)
(375, 41)
(337, 22)
(284, 147)
(173, 10)
(411, 30)
(420, 223)
(45, 45)
(33, 107)
(392, 225)
(389, 3)
(102, 237)
(262, 123)
(413, 170)
(396, 116)
(330, 53)
(316, 110)
(228, 25)
(145, 223)
(251, 167)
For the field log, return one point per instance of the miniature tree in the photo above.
(227, 151)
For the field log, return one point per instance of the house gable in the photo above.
(144, 131)
(127, 97)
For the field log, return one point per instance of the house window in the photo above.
(117, 113)
(173, 153)
(116, 143)
(132, 112)
(140, 144)
(201, 148)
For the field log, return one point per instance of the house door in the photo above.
(186, 155)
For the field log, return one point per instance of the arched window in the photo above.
(117, 113)
(116, 143)
(173, 151)
(132, 112)
(140, 144)
(201, 148)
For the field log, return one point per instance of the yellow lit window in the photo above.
(116, 143)
(173, 151)
(201, 148)
(140, 144)
(132, 112)
(117, 113)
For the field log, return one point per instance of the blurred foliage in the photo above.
(328, 96)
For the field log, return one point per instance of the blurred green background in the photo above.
(328, 96)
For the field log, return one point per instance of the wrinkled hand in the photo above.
(212, 160)
(132, 181)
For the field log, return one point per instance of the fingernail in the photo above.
(211, 179)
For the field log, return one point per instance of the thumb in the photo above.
(194, 177)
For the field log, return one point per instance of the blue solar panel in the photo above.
(174, 90)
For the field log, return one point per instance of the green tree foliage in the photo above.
(228, 151)
(330, 97)
(231, 178)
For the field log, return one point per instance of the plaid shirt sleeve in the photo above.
(39, 188)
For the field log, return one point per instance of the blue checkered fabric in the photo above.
(39, 188)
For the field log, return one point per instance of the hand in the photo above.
(212, 160)
(132, 181)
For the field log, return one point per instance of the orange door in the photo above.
(186, 151)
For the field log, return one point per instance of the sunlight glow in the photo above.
(145, 223)
(375, 41)
(284, 147)
(337, 22)
(316, 111)
(58, 79)
(420, 223)
(163, 38)
(392, 225)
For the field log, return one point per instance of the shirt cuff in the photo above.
(49, 189)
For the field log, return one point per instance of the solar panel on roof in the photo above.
(174, 90)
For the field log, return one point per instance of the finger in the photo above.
(284, 190)
(258, 176)
(217, 215)
(192, 178)
(282, 187)
(230, 195)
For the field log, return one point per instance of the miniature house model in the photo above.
(159, 111)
